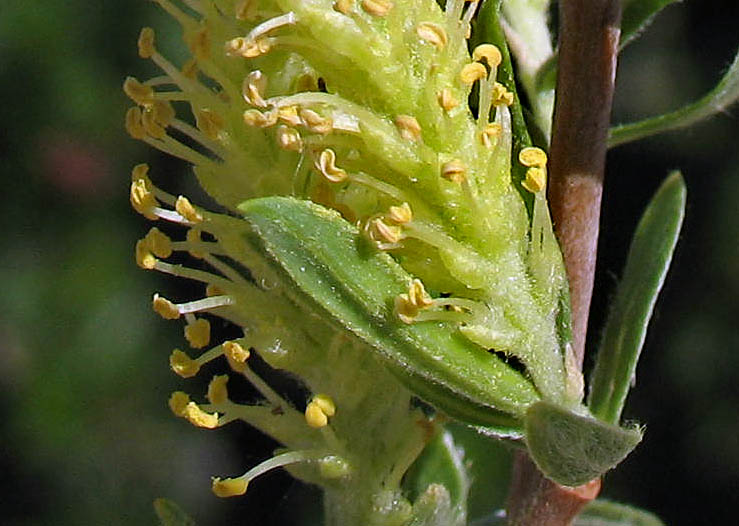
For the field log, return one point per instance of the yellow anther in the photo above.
(247, 48)
(199, 43)
(408, 127)
(209, 122)
(289, 139)
(144, 258)
(536, 179)
(253, 89)
(138, 92)
(245, 9)
(197, 333)
(141, 172)
(229, 487)
(213, 290)
(405, 310)
(314, 416)
(134, 127)
(501, 96)
(315, 123)
(163, 112)
(377, 7)
(418, 296)
(490, 134)
(344, 6)
(260, 120)
(472, 72)
(193, 238)
(200, 418)
(400, 214)
(165, 308)
(489, 53)
(326, 165)
(532, 156)
(236, 356)
(454, 171)
(326, 403)
(190, 69)
(178, 402)
(186, 210)
(217, 391)
(151, 126)
(159, 243)
(182, 364)
(146, 43)
(384, 233)
(447, 100)
(432, 33)
(142, 199)
(289, 115)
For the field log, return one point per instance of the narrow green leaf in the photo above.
(606, 513)
(440, 463)
(715, 101)
(572, 449)
(637, 15)
(326, 259)
(646, 268)
(170, 514)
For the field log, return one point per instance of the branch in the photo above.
(589, 36)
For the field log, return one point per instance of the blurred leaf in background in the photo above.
(86, 436)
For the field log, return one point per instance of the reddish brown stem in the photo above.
(588, 50)
(589, 36)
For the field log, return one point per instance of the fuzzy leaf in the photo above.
(637, 15)
(170, 514)
(646, 268)
(606, 513)
(715, 101)
(326, 258)
(572, 449)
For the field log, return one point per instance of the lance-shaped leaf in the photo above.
(715, 101)
(646, 268)
(324, 258)
(573, 449)
(606, 513)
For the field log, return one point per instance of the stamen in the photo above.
(536, 180)
(408, 127)
(236, 355)
(183, 365)
(186, 210)
(200, 418)
(501, 96)
(490, 134)
(289, 139)
(315, 123)
(386, 236)
(432, 33)
(319, 410)
(165, 308)
(472, 72)
(532, 156)
(134, 127)
(141, 94)
(289, 115)
(241, 47)
(142, 199)
(178, 402)
(400, 214)
(489, 53)
(193, 239)
(377, 7)
(197, 333)
(454, 171)
(344, 6)
(267, 26)
(447, 100)
(210, 123)
(326, 165)
(253, 89)
(146, 43)
(217, 391)
(260, 119)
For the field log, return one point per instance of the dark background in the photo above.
(85, 434)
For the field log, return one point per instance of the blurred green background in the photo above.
(85, 434)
